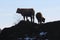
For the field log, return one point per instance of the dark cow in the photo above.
(40, 18)
(26, 12)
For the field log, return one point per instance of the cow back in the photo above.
(25, 11)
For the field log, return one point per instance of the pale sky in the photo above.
(50, 9)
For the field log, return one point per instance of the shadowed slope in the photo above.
(32, 29)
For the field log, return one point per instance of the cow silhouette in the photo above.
(40, 18)
(26, 12)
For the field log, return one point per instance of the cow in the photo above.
(26, 12)
(40, 18)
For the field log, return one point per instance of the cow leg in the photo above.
(38, 22)
(31, 18)
(41, 21)
(24, 18)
